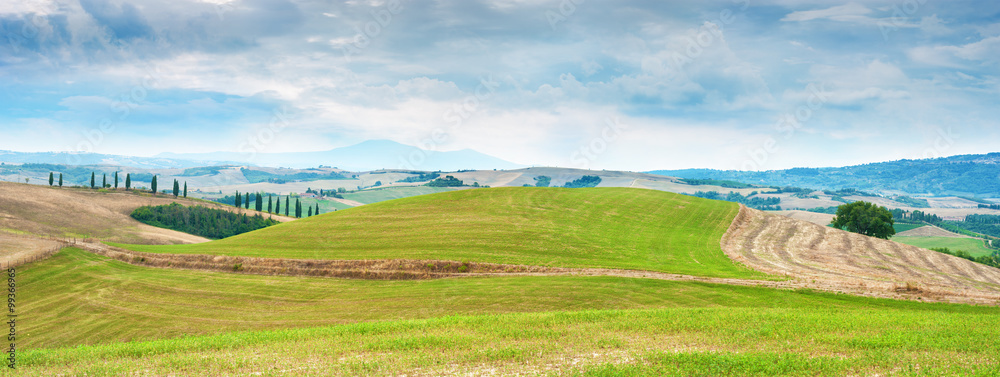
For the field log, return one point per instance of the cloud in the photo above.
(982, 52)
(850, 12)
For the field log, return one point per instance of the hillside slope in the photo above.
(835, 258)
(83, 213)
(601, 227)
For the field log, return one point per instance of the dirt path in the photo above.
(834, 260)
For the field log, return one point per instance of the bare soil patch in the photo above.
(19, 249)
(834, 260)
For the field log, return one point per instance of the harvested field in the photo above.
(16, 249)
(822, 219)
(83, 213)
(930, 231)
(833, 259)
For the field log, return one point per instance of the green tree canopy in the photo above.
(865, 218)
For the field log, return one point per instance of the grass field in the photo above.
(973, 246)
(900, 228)
(602, 227)
(612, 326)
(380, 195)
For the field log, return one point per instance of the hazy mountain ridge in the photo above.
(365, 156)
(965, 175)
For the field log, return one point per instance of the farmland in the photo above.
(608, 228)
(316, 326)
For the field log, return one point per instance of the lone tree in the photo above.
(865, 218)
(153, 185)
(298, 208)
(93, 183)
(60, 179)
(246, 202)
(52, 178)
(128, 181)
(104, 181)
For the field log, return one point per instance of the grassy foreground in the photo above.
(602, 227)
(76, 298)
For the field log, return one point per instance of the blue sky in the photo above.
(626, 85)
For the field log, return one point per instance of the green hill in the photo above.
(602, 227)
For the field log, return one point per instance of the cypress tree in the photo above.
(270, 204)
(104, 181)
(52, 178)
(128, 181)
(239, 202)
(93, 183)
(298, 208)
(287, 207)
(116, 180)
(177, 188)
(60, 179)
(277, 206)
(259, 205)
(246, 202)
(310, 211)
(185, 189)
(153, 184)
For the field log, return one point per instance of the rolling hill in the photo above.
(602, 227)
(966, 175)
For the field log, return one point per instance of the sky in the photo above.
(623, 85)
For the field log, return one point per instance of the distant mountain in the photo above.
(66, 158)
(369, 155)
(966, 175)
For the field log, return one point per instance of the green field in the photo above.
(974, 246)
(380, 195)
(317, 326)
(603, 227)
(900, 228)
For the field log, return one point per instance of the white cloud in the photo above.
(984, 51)
(850, 12)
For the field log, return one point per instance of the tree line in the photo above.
(177, 190)
(244, 200)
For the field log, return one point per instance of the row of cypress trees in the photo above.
(128, 183)
(243, 200)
